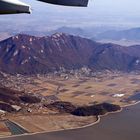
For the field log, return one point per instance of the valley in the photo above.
(67, 91)
(62, 82)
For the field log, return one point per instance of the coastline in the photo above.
(131, 104)
(81, 127)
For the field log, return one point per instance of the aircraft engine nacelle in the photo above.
(80, 3)
(14, 7)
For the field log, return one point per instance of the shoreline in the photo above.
(82, 127)
(132, 104)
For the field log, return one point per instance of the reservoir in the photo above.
(14, 128)
(120, 126)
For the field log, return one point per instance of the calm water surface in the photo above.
(120, 126)
(14, 128)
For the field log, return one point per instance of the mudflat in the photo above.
(120, 126)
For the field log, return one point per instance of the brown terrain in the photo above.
(47, 102)
(63, 82)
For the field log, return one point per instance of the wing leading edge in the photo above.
(13, 7)
(16, 6)
(80, 3)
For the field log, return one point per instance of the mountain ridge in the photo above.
(27, 54)
(127, 34)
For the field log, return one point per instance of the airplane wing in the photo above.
(16, 6)
(13, 7)
(80, 3)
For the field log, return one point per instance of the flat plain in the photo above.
(79, 91)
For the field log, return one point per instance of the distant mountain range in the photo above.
(101, 33)
(27, 54)
(87, 32)
(105, 34)
(130, 34)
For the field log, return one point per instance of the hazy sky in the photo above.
(98, 6)
(98, 13)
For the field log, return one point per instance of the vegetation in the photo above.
(99, 109)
